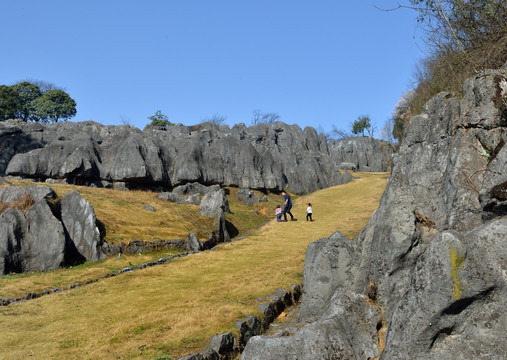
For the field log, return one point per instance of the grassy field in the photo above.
(170, 310)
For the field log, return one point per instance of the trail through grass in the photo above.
(174, 309)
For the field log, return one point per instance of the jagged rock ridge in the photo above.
(426, 278)
(267, 157)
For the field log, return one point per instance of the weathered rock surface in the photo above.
(36, 192)
(193, 243)
(427, 273)
(194, 199)
(214, 203)
(361, 154)
(12, 247)
(273, 157)
(248, 197)
(79, 220)
(45, 237)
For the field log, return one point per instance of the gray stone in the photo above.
(12, 245)
(193, 243)
(248, 327)
(193, 188)
(148, 208)
(37, 193)
(194, 199)
(223, 344)
(271, 310)
(45, 239)
(206, 354)
(247, 196)
(347, 166)
(328, 265)
(78, 217)
(214, 203)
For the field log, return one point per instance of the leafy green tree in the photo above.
(9, 100)
(159, 119)
(53, 105)
(27, 92)
(361, 124)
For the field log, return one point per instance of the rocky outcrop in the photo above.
(273, 157)
(43, 237)
(425, 279)
(248, 197)
(361, 154)
(214, 203)
(78, 218)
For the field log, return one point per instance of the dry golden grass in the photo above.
(174, 309)
(24, 203)
(125, 219)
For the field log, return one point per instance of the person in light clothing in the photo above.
(278, 213)
(309, 212)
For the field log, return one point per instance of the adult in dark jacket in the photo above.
(287, 206)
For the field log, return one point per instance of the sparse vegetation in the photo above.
(462, 37)
(159, 119)
(24, 203)
(259, 117)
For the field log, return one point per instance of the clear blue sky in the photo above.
(319, 63)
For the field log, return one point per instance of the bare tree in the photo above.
(386, 133)
(258, 117)
(125, 120)
(339, 134)
(216, 118)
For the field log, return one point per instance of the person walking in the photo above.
(309, 212)
(287, 207)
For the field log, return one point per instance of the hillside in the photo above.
(173, 309)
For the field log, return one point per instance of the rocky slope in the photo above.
(426, 278)
(271, 157)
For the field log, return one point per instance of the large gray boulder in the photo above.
(12, 246)
(214, 203)
(45, 239)
(78, 218)
(34, 241)
(426, 276)
(46, 235)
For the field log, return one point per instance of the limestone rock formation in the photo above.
(426, 276)
(214, 203)
(361, 154)
(78, 218)
(36, 192)
(43, 237)
(273, 157)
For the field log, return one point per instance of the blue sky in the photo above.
(319, 63)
